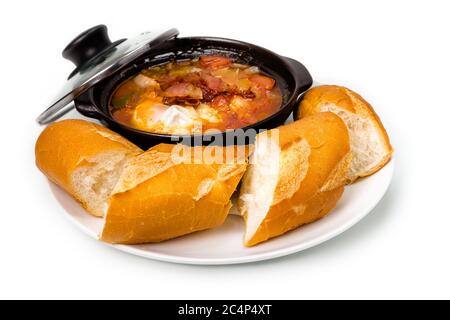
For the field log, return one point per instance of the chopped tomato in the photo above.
(220, 101)
(214, 62)
(262, 81)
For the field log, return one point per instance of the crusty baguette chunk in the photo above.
(166, 192)
(162, 194)
(296, 175)
(85, 159)
(370, 145)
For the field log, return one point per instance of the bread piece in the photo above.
(296, 176)
(160, 197)
(85, 159)
(370, 145)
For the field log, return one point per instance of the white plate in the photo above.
(223, 245)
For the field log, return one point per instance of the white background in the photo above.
(396, 54)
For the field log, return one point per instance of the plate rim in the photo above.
(277, 253)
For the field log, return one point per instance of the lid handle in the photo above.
(96, 59)
(87, 45)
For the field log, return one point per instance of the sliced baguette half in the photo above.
(85, 159)
(370, 145)
(296, 175)
(160, 196)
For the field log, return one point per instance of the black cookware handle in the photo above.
(88, 110)
(303, 79)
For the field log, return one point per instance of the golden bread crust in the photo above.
(321, 185)
(350, 101)
(67, 145)
(169, 198)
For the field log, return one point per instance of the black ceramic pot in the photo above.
(292, 77)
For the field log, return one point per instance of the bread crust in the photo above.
(322, 185)
(157, 199)
(352, 102)
(67, 145)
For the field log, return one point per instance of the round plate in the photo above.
(224, 245)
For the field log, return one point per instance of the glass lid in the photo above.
(97, 58)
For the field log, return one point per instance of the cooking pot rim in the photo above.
(87, 104)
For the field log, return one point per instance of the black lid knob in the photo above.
(87, 45)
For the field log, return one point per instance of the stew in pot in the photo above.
(187, 97)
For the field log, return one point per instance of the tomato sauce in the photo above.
(186, 97)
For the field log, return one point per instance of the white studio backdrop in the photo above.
(396, 54)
